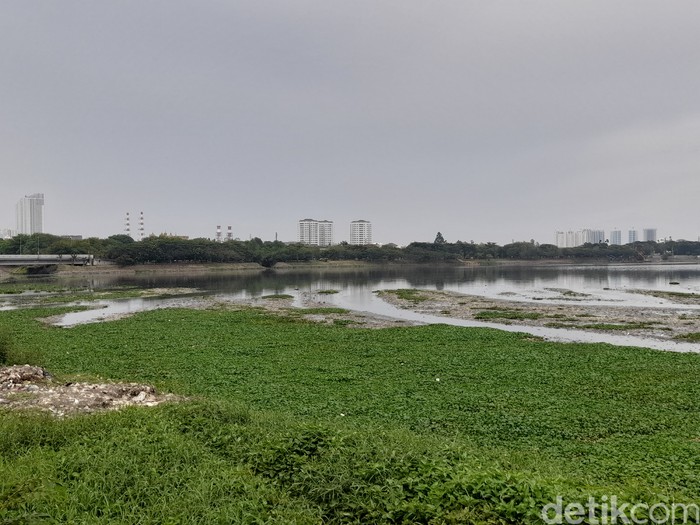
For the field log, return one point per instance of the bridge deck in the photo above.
(80, 259)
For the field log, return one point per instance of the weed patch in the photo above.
(505, 314)
(408, 294)
(693, 336)
(323, 310)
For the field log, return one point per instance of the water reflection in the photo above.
(468, 279)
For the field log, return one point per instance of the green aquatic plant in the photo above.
(505, 314)
(297, 422)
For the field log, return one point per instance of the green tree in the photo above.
(439, 239)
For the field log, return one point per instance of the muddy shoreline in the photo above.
(662, 323)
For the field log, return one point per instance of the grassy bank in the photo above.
(294, 422)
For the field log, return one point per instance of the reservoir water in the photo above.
(603, 285)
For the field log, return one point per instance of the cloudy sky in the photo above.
(487, 120)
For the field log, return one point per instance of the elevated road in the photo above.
(80, 259)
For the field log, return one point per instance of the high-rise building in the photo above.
(560, 239)
(632, 236)
(571, 238)
(316, 233)
(360, 232)
(592, 236)
(308, 231)
(649, 234)
(566, 239)
(30, 214)
(325, 233)
(616, 237)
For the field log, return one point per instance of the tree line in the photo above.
(123, 250)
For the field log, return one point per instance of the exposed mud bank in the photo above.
(672, 322)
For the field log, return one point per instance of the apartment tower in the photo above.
(649, 234)
(315, 233)
(616, 237)
(360, 232)
(30, 214)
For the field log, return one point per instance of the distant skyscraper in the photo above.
(616, 237)
(560, 239)
(592, 236)
(30, 214)
(360, 232)
(649, 234)
(325, 233)
(632, 236)
(316, 233)
(571, 238)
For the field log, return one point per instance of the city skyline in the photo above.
(572, 238)
(360, 230)
(486, 121)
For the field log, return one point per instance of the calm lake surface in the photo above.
(519, 283)
(604, 285)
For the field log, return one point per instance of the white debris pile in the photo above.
(25, 387)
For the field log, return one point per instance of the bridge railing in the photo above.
(79, 259)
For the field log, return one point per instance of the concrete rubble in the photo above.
(32, 387)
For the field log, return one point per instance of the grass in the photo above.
(5, 347)
(278, 296)
(14, 287)
(294, 422)
(685, 297)
(328, 292)
(346, 322)
(321, 310)
(408, 294)
(692, 336)
(610, 326)
(496, 313)
(52, 293)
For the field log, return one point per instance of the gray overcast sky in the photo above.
(486, 120)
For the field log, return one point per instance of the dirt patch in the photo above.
(32, 387)
(658, 322)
